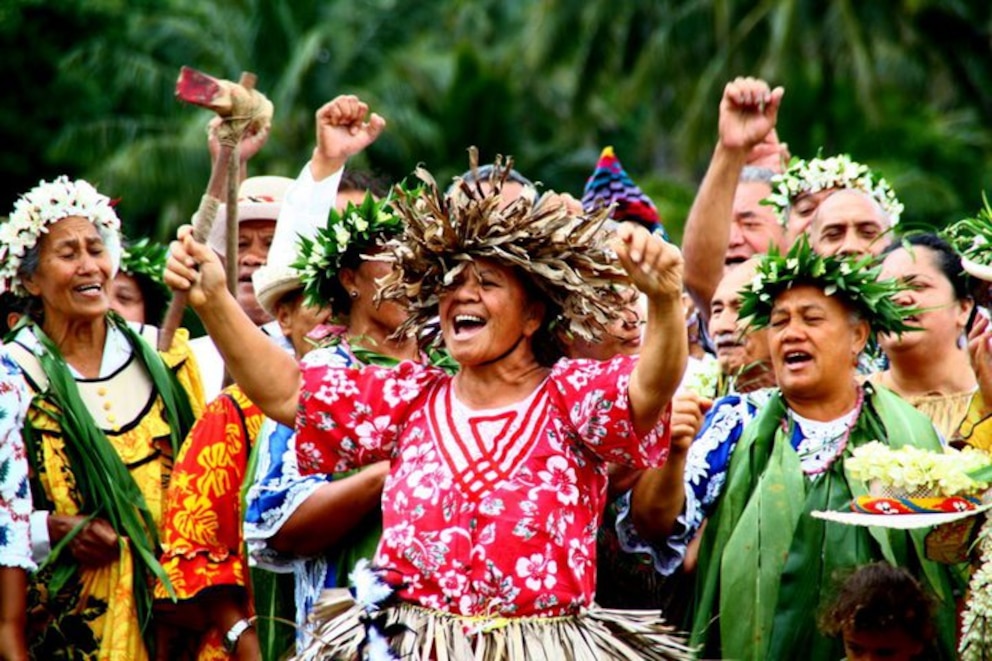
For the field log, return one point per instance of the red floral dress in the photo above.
(485, 512)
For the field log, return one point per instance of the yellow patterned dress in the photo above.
(93, 614)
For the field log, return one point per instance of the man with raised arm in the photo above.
(724, 204)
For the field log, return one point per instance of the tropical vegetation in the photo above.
(904, 85)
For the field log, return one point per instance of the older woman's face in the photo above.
(73, 276)
(814, 343)
(486, 314)
(943, 317)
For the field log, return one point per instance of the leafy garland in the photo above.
(854, 279)
(819, 174)
(976, 620)
(971, 236)
(346, 234)
(145, 258)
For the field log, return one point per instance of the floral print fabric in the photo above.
(278, 491)
(485, 512)
(15, 492)
(94, 613)
(201, 533)
(817, 443)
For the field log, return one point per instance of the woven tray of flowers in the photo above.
(909, 488)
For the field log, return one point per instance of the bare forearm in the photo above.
(707, 229)
(269, 376)
(322, 166)
(226, 608)
(661, 363)
(332, 512)
(13, 614)
(658, 498)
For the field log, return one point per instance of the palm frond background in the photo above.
(905, 85)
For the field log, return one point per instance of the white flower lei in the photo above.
(43, 205)
(818, 174)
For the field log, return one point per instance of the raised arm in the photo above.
(748, 113)
(655, 267)
(344, 128)
(268, 375)
(976, 429)
(252, 141)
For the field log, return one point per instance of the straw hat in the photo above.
(277, 277)
(259, 198)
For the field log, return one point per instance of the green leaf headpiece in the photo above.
(854, 280)
(346, 236)
(972, 237)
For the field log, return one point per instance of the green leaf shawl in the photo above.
(765, 562)
(104, 484)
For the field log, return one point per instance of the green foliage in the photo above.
(971, 236)
(905, 87)
(346, 236)
(855, 280)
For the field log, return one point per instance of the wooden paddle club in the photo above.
(241, 108)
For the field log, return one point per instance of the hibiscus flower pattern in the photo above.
(518, 539)
(201, 528)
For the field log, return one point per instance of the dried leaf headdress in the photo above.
(565, 256)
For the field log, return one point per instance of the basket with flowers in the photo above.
(909, 480)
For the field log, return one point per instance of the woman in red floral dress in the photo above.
(498, 474)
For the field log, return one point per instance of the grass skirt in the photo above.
(431, 635)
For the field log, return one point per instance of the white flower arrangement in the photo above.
(818, 174)
(976, 620)
(702, 376)
(36, 210)
(912, 469)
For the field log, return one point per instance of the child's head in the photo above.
(882, 613)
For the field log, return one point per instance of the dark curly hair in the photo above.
(876, 597)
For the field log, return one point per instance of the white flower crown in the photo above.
(819, 174)
(43, 205)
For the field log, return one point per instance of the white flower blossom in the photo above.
(913, 470)
(819, 174)
(370, 589)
